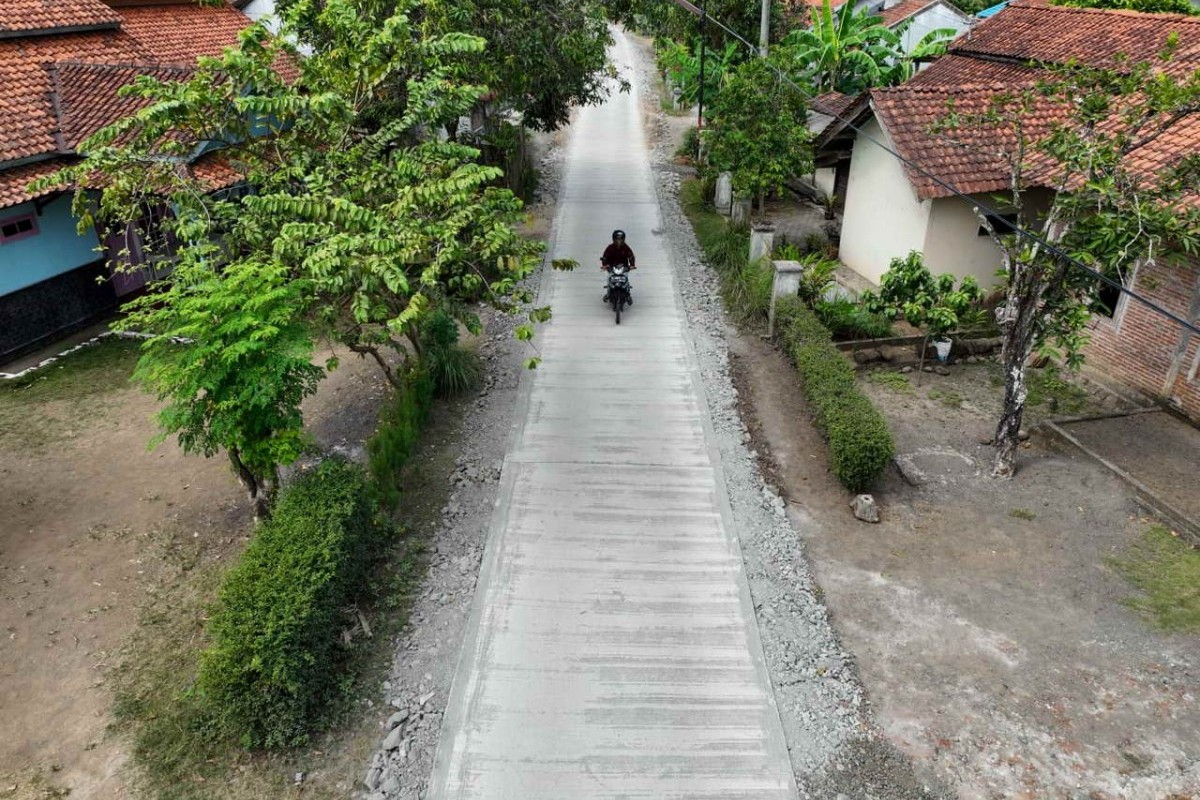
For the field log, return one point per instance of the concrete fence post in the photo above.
(786, 284)
(762, 240)
(740, 218)
(724, 198)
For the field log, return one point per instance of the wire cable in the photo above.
(976, 205)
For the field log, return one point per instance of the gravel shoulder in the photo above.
(837, 750)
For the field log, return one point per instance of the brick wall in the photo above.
(1139, 347)
(34, 316)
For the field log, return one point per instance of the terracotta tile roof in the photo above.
(955, 70)
(903, 10)
(214, 171)
(88, 94)
(27, 118)
(179, 34)
(1028, 31)
(832, 104)
(27, 16)
(149, 35)
(14, 182)
(972, 160)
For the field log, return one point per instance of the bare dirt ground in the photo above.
(95, 528)
(987, 626)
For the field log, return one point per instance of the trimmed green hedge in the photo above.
(860, 444)
(272, 664)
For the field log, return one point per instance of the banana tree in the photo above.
(929, 47)
(847, 50)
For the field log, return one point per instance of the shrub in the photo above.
(453, 368)
(847, 320)
(400, 423)
(816, 278)
(273, 662)
(910, 290)
(860, 444)
(690, 143)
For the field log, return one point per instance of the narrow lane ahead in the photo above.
(612, 650)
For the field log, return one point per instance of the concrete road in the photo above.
(613, 650)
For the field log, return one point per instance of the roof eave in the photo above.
(60, 30)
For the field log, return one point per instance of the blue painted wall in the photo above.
(57, 247)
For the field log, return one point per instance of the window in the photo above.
(1107, 298)
(1001, 223)
(15, 228)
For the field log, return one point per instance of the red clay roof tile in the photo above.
(29, 16)
(996, 59)
(149, 35)
(1028, 31)
(14, 182)
(903, 10)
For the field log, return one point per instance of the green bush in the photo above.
(454, 369)
(847, 320)
(273, 663)
(860, 444)
(400, 424)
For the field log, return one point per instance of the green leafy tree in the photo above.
(1109, 211)
(909, 289)
(682, 67)
(543, 57)
(850, 50)
(759, 130)
(360, 225)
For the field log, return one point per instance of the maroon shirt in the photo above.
(618, 254)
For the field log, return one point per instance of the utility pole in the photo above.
(764, 29)
(703, 33)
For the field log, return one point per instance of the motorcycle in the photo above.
(619, 293)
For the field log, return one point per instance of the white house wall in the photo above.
(823, 179)
(883, 219)
(953, 243)
(931, 19)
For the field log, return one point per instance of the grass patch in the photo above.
(896, 381)
(1048, 387)
(75, 382)
(1166, 571)
(947, 397)
(848, 320)
(1022, 513)
(176, 749)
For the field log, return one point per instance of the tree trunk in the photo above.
(259, 490)
(388, 372)
(1021, 309)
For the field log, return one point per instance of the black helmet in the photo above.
(618, 235)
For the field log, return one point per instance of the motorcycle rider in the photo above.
(617, 253)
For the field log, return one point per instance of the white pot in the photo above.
(943, 349)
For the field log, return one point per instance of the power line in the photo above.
(954, 191)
